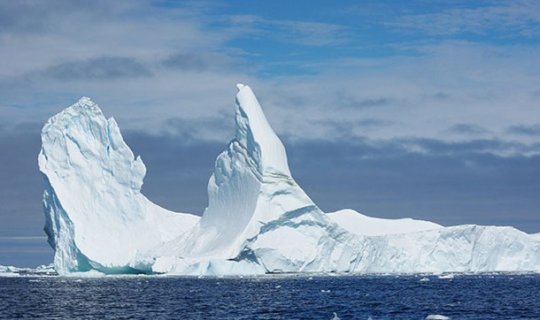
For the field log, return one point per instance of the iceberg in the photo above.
(12, 271)
(5, 269)
(9, 271)
(96, 216)
(258, 219)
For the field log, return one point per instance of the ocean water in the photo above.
(272, 297)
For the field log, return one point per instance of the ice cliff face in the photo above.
(258, 219)
(96, 216)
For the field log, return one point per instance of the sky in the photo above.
(423, 109)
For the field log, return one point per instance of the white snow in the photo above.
(358, 223)
(258, 219)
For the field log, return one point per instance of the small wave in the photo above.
(437, 317)
(9, 274)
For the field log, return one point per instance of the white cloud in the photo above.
(187, 70)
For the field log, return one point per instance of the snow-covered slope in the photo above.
(258, 219)
(360, 224)
(96, 216)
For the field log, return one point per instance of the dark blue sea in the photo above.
(292, 297)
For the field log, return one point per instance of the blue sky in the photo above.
(427, 109)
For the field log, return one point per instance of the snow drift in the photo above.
(258, 219)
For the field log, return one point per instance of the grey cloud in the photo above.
(25, 17)
(346, 129)
(364, 123)
(291, 99)
(314, 33)
(471, 147)
(372, 102)
(467, 129)
(433, 147)
(304, 32)
(29, 16)
(101, 68)
(18, 17)
(441, 96)
(198, 62)
(525, 130)
(373, 123)
(517, 17)
(450, 187)
(199, 129)
(185, 61)
(348, 101)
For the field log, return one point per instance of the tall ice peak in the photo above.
(255, 134)
(251, 185)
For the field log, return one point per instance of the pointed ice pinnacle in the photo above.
(255, 134)
(251, 185)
